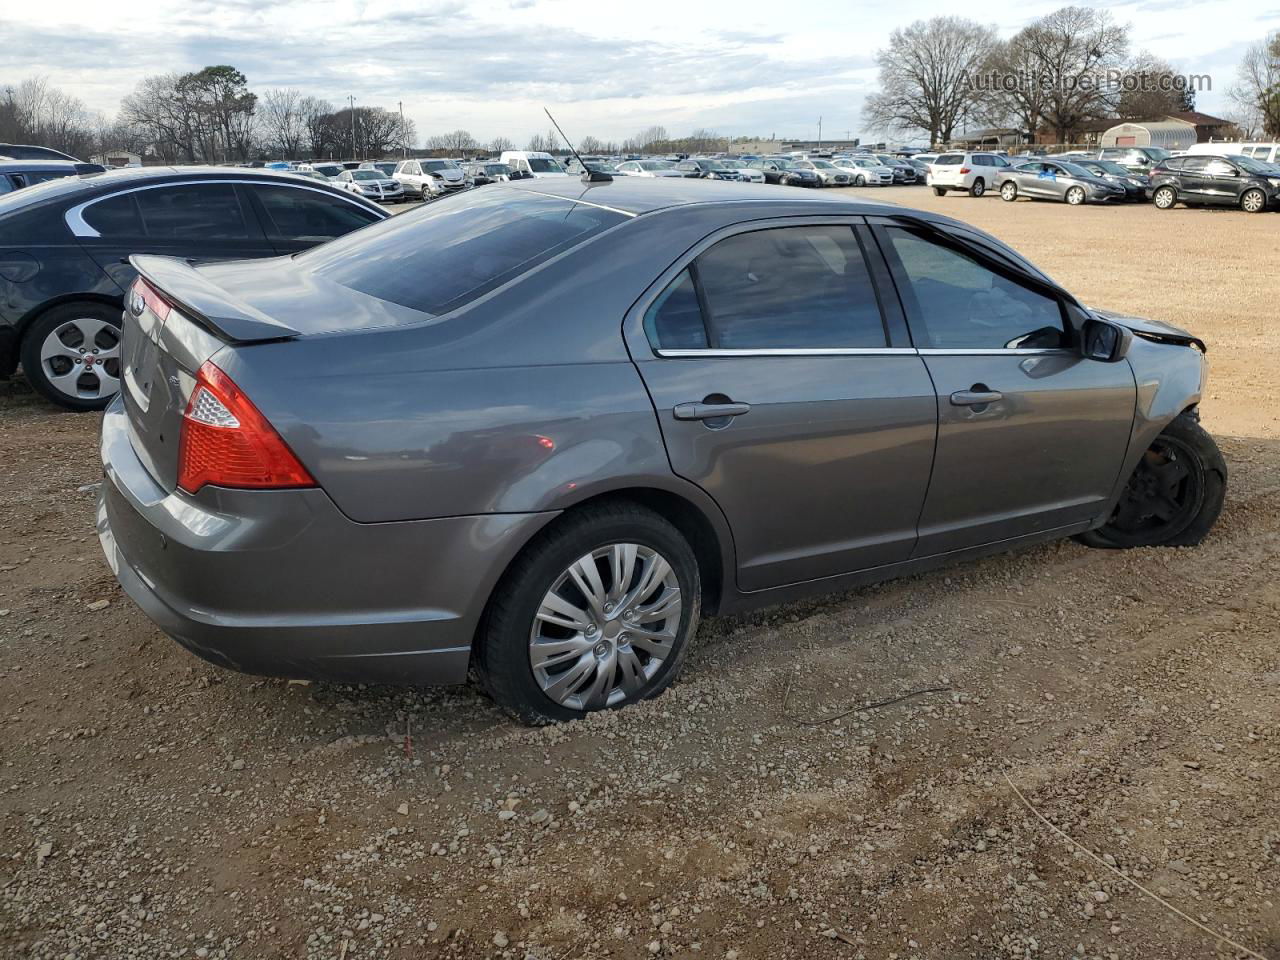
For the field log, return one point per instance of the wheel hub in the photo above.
(605, 627)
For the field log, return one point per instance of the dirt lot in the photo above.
(154, 806)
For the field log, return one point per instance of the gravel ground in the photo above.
(152, 805)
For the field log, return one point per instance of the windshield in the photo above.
(711, 165)
(1074, 169)
(655, 165)
(1157, 153)
(544, 165)
(1254, 166)
(365, 175)
(823, 164)
(734, 164)
(452, 251)
(439, 165)
(1110, 166)
(329, 170)
(497, 170)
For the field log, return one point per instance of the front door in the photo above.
(781, 391)
(1031, 436)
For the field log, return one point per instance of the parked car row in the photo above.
(1127, 175)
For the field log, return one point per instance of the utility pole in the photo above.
(404, 141)
(819, 133)
(352, 102)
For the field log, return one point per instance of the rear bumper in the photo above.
(281, 583)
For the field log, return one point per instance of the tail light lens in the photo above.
(226, 442)
(964, 170)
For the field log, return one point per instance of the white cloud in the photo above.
(750, 67)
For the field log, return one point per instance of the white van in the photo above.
(534, 162)
(1266, 152)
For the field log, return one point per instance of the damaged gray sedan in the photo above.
(536, 431)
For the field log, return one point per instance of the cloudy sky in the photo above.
(753, 67)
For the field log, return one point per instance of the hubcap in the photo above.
(1253, 202)
(605, 627)
(81, 359)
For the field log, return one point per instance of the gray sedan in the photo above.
(536, 431)
(1056, 180)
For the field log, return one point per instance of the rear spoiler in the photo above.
(206, 303)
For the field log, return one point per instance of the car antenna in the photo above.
(588, 176)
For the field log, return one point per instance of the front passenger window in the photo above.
(956, 303)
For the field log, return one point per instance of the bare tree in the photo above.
(35, 112)
(926, 76)
(500, 144)
(320, 135)
(458, 142)
(538, 143)
(650, 136)
(1256, 93)
(1154, 89)
(284, 126)
(1072, 48)
(590, 144)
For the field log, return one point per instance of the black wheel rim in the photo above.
(1162, 497)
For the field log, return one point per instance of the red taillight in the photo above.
(226, 442)
(153, 300)
(963, 171)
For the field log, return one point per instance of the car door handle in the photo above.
(975, 398)
(709, 411)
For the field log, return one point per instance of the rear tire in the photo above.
(939, 191)
(1175, 494)
(528, 663)
(1009, 192)
(71, 355)
(1165, 198)
(979, 188)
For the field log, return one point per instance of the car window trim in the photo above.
(74, 216)
(892, 319)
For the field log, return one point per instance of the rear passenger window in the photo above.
(790, 288)
(115, 216)
(194, 212)
(310, 216)
(956, 303)
(674, 321)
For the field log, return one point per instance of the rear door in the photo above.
(784, 392)
(1193, 185)
(1031, 435)
(198, 221)
(298, 218)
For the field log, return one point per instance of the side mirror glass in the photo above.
(1104, 341)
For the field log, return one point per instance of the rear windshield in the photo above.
(949, 159)
(450, 252)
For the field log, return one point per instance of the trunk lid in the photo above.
(170, 328)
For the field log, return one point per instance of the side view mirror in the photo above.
(1104, 341)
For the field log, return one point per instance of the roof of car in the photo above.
(638, 195)
(35, 166)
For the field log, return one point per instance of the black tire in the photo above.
(1009, 191)
(1164, 198)
(979, 188)
(1253, 201)
(38, 373)
(501, 655)
(860, 181)
(1184, 449)
(939, 191)
(1076, 196)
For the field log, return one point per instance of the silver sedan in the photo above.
(1056, 180)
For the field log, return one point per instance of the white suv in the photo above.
(429, 177)
(973, 173)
